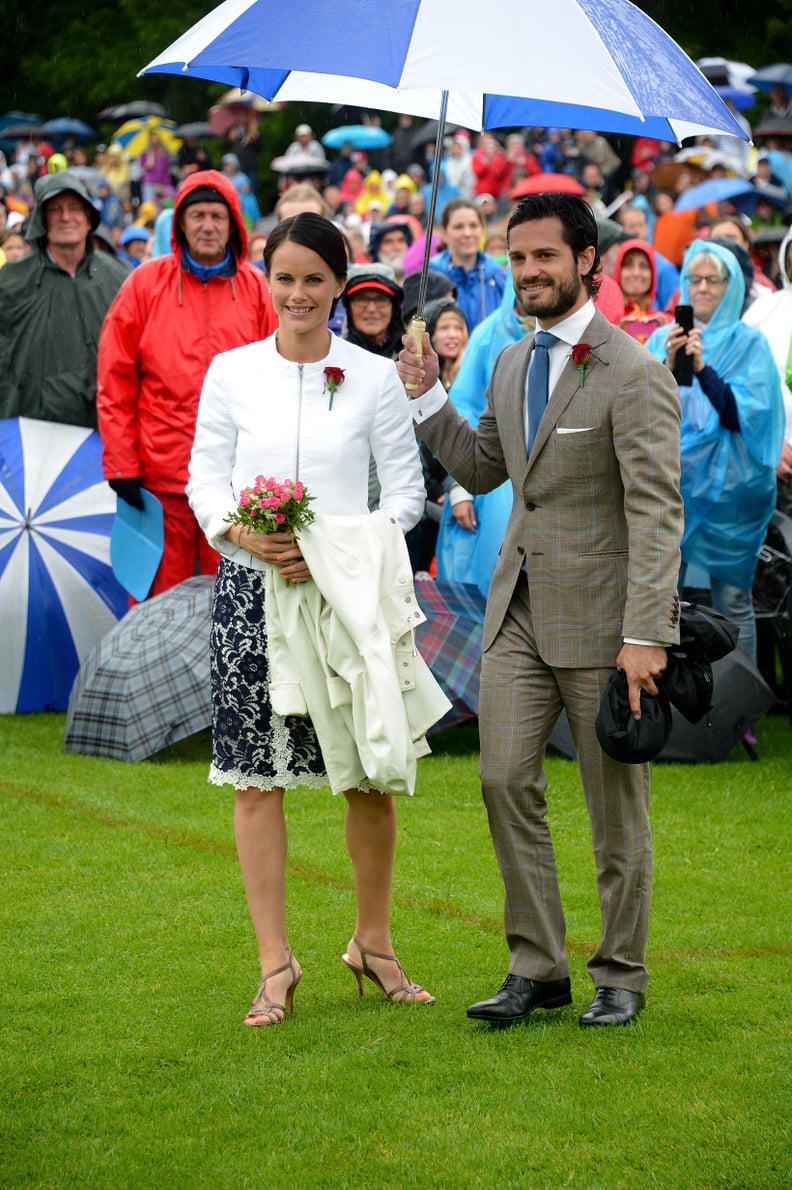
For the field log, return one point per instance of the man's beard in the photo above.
(563, 297)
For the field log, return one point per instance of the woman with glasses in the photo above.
(373, 303)
(732, 431)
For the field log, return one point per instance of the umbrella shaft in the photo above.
(438, 157)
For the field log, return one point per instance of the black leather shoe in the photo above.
(517, 998)
(613, 1006)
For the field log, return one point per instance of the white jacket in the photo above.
(261, 414)
(342, 649)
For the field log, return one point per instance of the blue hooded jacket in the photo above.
(462, 556)
(728, 480)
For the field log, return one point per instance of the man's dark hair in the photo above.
(578, 225)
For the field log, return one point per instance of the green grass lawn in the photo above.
(128, 962)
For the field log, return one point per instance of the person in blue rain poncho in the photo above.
(472, 527)
(732, 431)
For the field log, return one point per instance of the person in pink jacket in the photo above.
(167, 323)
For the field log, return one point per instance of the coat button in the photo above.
(530, 506)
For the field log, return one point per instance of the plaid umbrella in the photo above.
(450, 643)
(146, 684)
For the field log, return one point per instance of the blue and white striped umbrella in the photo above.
(58, 596)
(600, 64)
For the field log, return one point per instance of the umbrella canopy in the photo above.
(146, 684)
(23, 131)
(739, 97)
(134, 136)
(724, 72)
(652, 88)
(301, 165)
(769, 126)
(540, 183)
(65, 126)
(132, 110)
(777, 75)
(58, 595)
(740, 698)
(734, 190)
(198, 129)
(359, 136)
(450, 642)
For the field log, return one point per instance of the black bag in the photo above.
(704, 636)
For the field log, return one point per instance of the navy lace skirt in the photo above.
(251, 744)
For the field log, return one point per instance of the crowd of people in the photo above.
(161, 307)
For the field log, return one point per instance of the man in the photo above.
(388, 244)
(52, 305)
(586, 579)
(304, 144)
(161, 334)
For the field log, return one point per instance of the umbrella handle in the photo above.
(416, 332)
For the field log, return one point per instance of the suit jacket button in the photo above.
(530, 506)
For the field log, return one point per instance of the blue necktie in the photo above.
(538, 375)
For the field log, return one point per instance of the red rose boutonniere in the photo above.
(334, 378)
(582, 355)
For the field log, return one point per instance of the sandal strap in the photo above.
(412, 989)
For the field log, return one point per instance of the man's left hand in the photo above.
(641, 665)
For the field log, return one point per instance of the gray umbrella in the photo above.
(146, 684)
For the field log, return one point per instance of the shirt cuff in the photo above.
(457, 494)
(663, 644)
(431, 402)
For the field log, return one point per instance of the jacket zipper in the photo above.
(299, 422)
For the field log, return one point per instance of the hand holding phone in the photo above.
(683, 364)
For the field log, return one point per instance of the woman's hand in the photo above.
(278, 549)
(688, 342)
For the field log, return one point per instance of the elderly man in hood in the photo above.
(162, 332)
(52, 306)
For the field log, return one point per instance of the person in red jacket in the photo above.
(169, 320)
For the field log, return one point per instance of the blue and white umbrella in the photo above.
(589, 64)
(58, 596)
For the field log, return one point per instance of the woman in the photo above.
(267, 407)
(732, 432)
(373, 303)
(479, 280)
(635, 272)
(448, 330)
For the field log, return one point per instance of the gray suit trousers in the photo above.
(521, 699)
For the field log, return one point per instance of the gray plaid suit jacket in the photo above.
(597, 516)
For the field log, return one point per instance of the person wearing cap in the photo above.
(52, 306)
(373, 299)
(388, 243)
(134, 245)
(305, 144)
(163, 330)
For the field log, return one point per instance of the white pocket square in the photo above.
(574, 429)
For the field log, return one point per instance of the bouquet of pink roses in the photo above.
(271, 507)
